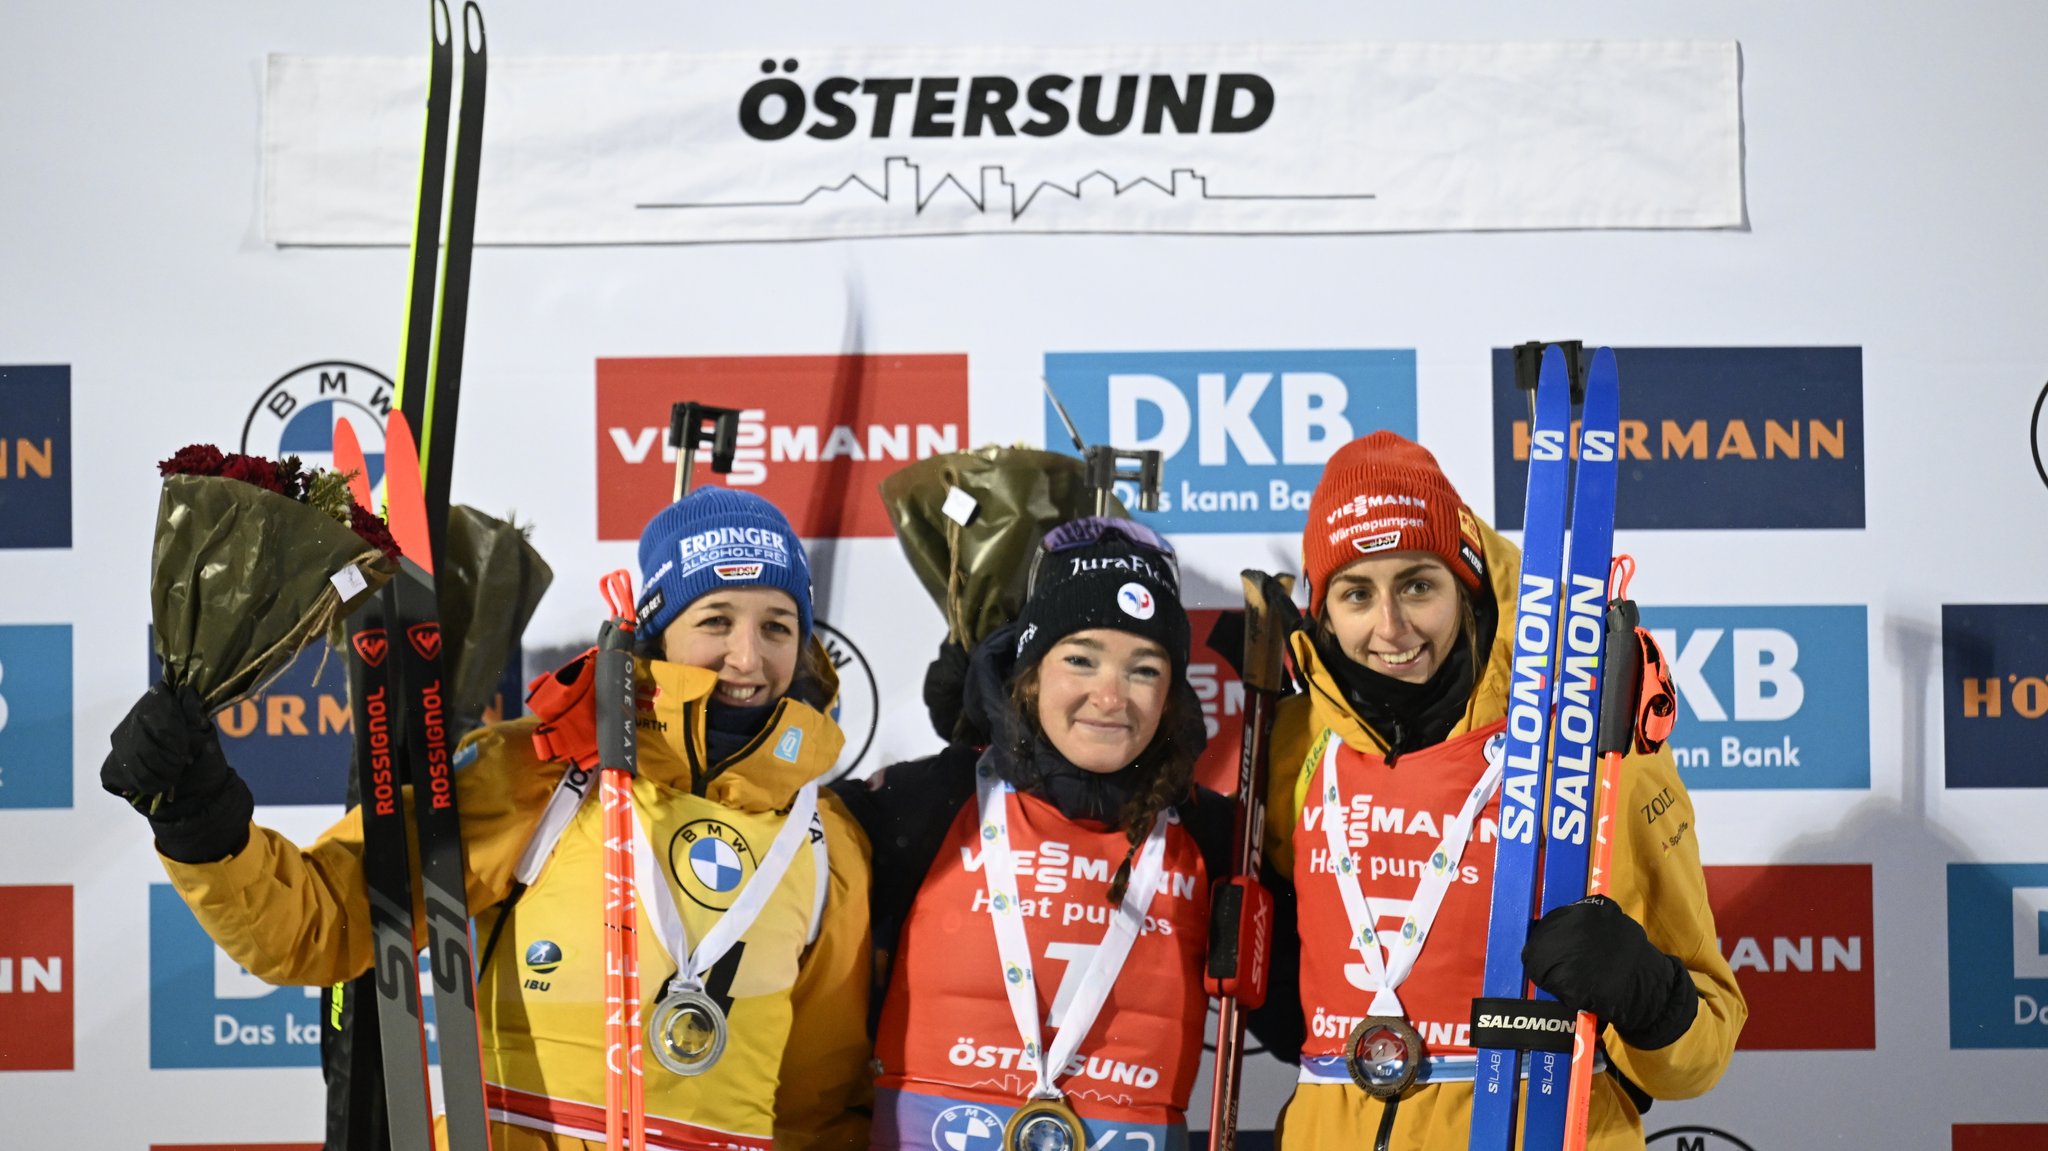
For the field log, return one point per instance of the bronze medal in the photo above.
(686, 1031)
(1044, 1125)
(1384, 1055)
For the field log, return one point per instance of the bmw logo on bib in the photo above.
(967, 1127)
(711, 861)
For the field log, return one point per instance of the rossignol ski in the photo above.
(430, 362)
(1579, 681)
(416, 647)
(393, 979)
(1534, 652)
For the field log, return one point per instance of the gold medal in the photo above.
(1384, 1055)
(1044, 1125)
(686, 1031)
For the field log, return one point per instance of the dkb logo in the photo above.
(35, 715)
(1773, 697)
(1998, 954)
(1242, 436)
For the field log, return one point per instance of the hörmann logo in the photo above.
(1772, 697)
(1994, 686)
(35, 456)
(1798, 937)
(1712, 438)
(1998, 955)
(928, 107)
(816, 435)
(35, 715)
(35, 979)
(1243, 436)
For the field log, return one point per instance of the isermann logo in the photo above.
(1715, 438)
(817, 434)
(926, 107)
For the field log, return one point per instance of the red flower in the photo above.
(372, 530)
(192, 460)
(255, 470)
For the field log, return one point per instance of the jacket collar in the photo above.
(799, 742)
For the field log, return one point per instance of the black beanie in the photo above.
(1109, 583)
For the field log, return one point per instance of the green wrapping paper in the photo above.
(490, 582)
(240, 582)
(976, 573)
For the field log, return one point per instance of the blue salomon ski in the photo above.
(1579, 677)
(1528, 737)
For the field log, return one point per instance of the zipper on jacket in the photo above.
(698, 776)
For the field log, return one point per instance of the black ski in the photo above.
(416, 648)
(380, 772)
(444, 400)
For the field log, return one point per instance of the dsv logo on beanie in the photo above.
(1136, 601)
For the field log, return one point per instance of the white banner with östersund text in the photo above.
(1217, 139)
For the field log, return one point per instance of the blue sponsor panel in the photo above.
(35, 715)
(206, 1010)
(1769, 697)
(1242, 436)
(1998, 955)
(1994, 690)
(35, 456)
(1714, 438)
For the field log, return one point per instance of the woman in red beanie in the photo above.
(1408, 667)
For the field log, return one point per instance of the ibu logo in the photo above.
(1998, 955)
(789, 745)
(35, 715)
(1242, 436)
(206, 1010)
(1994, 687)
(1770, 697)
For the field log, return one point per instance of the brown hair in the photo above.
(1170, 757)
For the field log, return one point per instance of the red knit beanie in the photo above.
(1385, 493)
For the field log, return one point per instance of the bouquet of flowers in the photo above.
(490, 580)
(254, 559)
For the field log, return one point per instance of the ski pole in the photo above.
(1623, 663)
(624, 1095)
(1241, 914)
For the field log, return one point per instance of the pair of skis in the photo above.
(1559, 635)
(399, 697)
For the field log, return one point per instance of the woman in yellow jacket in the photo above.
(733, 733)
(1385, 778)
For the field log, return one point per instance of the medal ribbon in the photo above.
(999, 872)
(1399, 959)
(693, 965)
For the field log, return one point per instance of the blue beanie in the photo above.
(714, 538)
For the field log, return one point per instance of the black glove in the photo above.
(1593, 957)
(945, 688)
(167, 763)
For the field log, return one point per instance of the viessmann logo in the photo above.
(1798, 937)
(35, 979)
(1714, 438)
(817, 433)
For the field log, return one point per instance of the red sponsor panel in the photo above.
(35, 979)
(1799, 939)
(1998, 1137)
(816, 436)
(1222, 696)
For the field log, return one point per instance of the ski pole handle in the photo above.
(1623, 688)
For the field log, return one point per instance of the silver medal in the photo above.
(686, 1031)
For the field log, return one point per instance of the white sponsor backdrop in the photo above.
(1891, 199)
